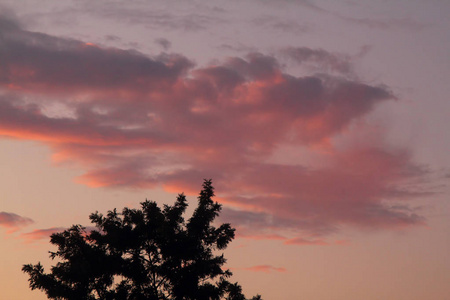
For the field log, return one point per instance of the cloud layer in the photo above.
(133, 120)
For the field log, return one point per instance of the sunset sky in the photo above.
(324, 125)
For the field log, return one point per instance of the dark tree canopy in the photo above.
(148, 253)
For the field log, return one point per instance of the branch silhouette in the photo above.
(150, 253)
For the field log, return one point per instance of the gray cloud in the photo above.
(282, 25)
(319, 59)
(164, 43)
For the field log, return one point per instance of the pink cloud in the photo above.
(301, 241)
(342, 242)
(45, 233)
(12, 222)
(265, 269)
(40, 234)
(357, 189)
(243, 234)
(132, 120)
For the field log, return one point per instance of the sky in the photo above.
(323, 125)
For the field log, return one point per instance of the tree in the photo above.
(148, 253)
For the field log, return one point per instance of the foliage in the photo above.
(148, 253)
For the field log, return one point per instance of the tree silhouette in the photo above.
(148, 253)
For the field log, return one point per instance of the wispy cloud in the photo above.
(40, 234)
(284, 25)
(155, 15)
(45, 233)
(12, 222)
(265, 269)
(386, 24)
(404, 23)
(164, 43)
(133, 120)
(302, 241)
(319, 59)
